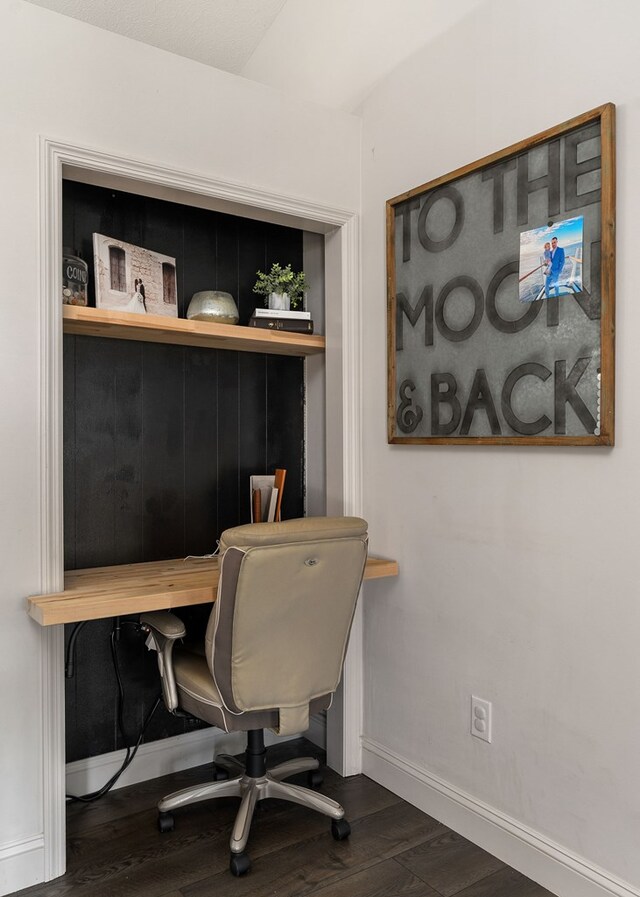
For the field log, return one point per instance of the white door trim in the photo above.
(343, 353)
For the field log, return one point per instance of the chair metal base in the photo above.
(252, 789)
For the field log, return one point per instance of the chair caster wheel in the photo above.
(340, 829)
(165, 822)
(220, 774)
(314, 778)
(239, 864)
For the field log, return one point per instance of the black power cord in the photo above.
(70, 662)
(131, 750)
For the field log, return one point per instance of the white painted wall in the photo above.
(519, 578)
(77, 84)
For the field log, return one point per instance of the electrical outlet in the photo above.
(481, 718)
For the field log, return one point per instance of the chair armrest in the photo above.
(166, 623)
(163, 629)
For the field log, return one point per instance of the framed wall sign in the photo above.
(501, 280)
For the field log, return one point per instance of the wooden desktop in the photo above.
(101, 592)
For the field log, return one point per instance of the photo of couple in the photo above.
(551, 260)
(137, 305)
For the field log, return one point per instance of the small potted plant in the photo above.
(282, 288)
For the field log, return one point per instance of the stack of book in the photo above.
(266, 496)
(272, 319)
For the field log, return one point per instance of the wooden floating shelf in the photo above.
(102, 592)
(181, 332)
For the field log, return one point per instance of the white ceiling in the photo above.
(332, 52)
(335, 51)
(221, 33)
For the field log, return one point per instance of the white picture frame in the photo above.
(133, 279)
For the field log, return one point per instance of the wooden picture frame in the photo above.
(476, 355)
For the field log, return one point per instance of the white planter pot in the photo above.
(279, 301)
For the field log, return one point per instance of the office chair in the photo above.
(272, 657)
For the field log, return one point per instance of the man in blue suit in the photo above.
(555, 268)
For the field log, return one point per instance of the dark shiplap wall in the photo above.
(159, 441)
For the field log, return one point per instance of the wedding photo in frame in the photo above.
(133, 279)
(501, 295)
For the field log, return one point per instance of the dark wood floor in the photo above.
(115, 850)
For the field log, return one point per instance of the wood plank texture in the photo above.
(181, 332)
(115, 850)
(100, 592)
(450, 863)
(160, 439)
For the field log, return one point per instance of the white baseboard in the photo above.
(158, 758)
(21, 864)
(536, 856)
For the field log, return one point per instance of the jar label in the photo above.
(75, 274)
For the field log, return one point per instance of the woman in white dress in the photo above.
(136, 304)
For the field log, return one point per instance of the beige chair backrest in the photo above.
(278, 633)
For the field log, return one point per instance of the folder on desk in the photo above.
(264, 499)
(265, 492)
